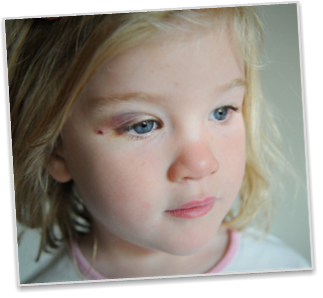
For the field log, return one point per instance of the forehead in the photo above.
(198, 57)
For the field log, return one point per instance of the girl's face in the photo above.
(156, 142)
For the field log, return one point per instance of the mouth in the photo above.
(193, 209)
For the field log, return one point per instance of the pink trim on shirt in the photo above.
(84, 265)
(91, 273)
(228, 257)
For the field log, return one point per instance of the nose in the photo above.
(195, 161)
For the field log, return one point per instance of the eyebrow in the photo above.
(239, 82)
(97, 103)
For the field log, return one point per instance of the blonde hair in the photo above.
(49, 62)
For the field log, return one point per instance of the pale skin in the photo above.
(191, 91)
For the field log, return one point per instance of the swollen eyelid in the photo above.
(116, 122)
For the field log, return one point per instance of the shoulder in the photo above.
(264, 254)
(60, 269)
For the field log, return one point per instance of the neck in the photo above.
(117, 258)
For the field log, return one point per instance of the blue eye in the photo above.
(221, 113)
(139, 130)
(144, 126)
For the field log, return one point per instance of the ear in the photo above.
(58, 169)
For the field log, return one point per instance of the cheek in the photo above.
(118, 184)
(234, 160)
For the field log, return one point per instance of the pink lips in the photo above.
(193, 209)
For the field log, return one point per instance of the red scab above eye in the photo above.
(100, 132)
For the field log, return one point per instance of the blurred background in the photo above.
(282, 85)
(283, 90)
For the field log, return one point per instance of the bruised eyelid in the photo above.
(116, 121)
(123, 119)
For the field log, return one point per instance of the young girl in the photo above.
(138, 141)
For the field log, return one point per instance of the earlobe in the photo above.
(58, 169)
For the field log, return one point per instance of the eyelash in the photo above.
(125, 130)
(227, 116)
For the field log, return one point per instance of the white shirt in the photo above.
(247, 253)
